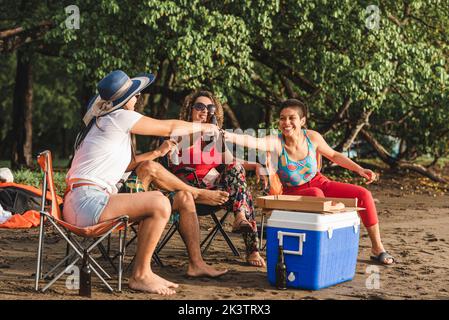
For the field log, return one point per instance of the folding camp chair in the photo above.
(202, 210)
(92, 236)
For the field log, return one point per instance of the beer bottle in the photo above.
(174, 158)
(85, 277)
(281, 271)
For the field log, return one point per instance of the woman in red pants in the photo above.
(297, 168)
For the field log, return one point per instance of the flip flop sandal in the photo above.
(243, 226)
(381, 258)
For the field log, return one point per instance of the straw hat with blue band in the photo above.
(115, 90)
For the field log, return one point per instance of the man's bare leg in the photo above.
(153, 172)
(190, 233)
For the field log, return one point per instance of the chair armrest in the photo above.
(185, 170)
(188, 171)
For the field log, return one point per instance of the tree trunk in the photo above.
(399, 165)
(231, 116)
(291, 94)
(160, 108)
(338, 116)
(22, 135)
(165, 100)
(361, 122)
(84, 95)
(269, 110)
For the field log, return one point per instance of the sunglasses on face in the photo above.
(201, 106)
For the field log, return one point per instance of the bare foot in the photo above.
(210, 197)
(255, 260)
(151, 283)
(167, 283)
(204, 270)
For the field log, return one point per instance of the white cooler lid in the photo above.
(312, 221)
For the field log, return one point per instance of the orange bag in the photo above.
(29, 218)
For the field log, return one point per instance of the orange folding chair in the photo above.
(91, 236)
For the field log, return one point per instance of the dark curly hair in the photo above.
(186, 108)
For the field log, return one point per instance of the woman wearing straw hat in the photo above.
(103, 153)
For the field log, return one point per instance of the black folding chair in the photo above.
(201, 210)
(112, 257)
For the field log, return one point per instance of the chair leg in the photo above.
(92, 260)
(40, 250)
(208, 240)
(67, 252)
(219, 227)
(225, 235)
(262, 222)
(211, 234)
(104, 253)
(157, 260)
(64, 261)
(171, 231)
(122, 242)
(109, 245)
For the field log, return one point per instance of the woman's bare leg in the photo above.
(153, 210)
(190, 233)
(153, 172)
(376, 242)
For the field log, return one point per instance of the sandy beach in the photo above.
(414, 220)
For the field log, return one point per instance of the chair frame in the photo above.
(207, 241)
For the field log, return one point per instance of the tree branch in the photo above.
(14, 38)
(338, 116)
(394, 163)
(231, 115)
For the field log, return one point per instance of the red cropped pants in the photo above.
(320, 186)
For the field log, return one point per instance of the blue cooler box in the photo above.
(320, 250)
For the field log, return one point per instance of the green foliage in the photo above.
(34, 178)
(248, 53)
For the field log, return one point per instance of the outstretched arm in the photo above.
(153, 127)
(269, 143)
(339, 158)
